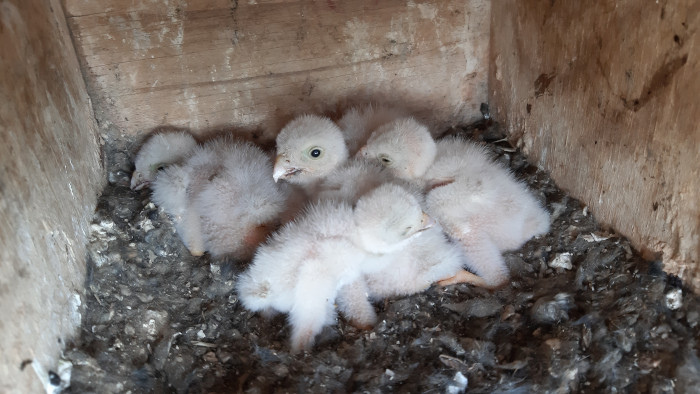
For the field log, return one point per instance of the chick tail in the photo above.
(537, 223)
(254, 294)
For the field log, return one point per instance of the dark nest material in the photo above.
(584, 313)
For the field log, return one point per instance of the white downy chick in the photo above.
(171, 184)
(301, 267)
(308, 148)
(358, 123)
(426, 260)
(413, 268)
(388, 217)
(404, 146)
(477, 201)
(238, 203)
(160, 150)
(176, 184)
(508, 211)
(222, 198)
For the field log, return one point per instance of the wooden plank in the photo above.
(253, 65)
(50, 174)
(605, 98)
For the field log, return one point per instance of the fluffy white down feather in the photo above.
(351, 180)
(308, 148)
(409, 269)
(358, 123)
(484, 195)
(300, 268)
(222, 198)
(303, 266)
(169, 191)
(404, 146)
(477, 201)
(160, 150)
(429, 258)
(238, 202)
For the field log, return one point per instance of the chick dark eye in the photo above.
(315, 153)
(385, 160)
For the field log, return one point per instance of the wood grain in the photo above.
(254, 65)
(50, 174)
(606, 98)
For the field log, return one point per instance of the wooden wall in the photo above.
(208, 64)
(606, 96)
(50, 174)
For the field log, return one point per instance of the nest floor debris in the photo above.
(584, 313)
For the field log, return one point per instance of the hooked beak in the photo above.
(137, 183)
(427, 222)
(282, 169)
(362, 152)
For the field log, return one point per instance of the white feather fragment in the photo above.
(674, 299)
(592, 237)
(458, 385)
(562, 260)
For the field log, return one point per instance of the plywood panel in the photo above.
(50, 172)
(606, 98)
(253, 65)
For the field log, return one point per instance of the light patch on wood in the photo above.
(357, 39)
(605, 98)
(427, 11)
(212, 64)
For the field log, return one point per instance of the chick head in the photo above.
(388, 217)
(404, 146)
(308, 148)
(159, 151)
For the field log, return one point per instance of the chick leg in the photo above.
(353, 303)
(312, 310)
(464, 276)
(484, 258)
(191, 221)
(171, 192)
(307, 321)
(190, 229)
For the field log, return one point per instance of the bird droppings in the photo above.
(159, 320)
(458, 384)
(674, 299)
(562, 260)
